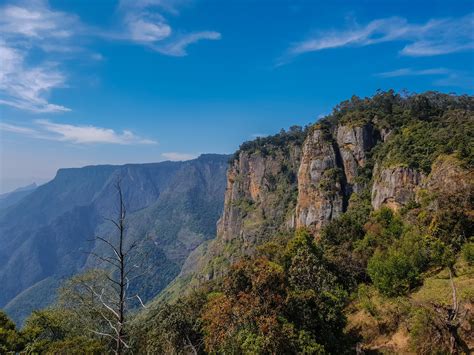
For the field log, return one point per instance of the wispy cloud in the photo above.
(27, 83)
(414, 72)
(435, 37)
(36, 21)
(175, 156)
(145, 23)
(77, 134)
(178, 46)
(23, 29)
(145, 27)
(17, 129)
(25, 87)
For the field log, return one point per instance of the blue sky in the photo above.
(90, 82)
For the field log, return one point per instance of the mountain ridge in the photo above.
(69, 210)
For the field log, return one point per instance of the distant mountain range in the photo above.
(10, 198)
(45, 231)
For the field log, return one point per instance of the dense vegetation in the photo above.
(422, 126)
(266, 145)
(369, 274)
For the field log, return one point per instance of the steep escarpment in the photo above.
(320, 182)
(352, 238)
(354, 144)
(381, 147)
(300, 178)
(260, 199)
(329, 171)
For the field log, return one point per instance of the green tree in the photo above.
(10, 339)
(53, 331)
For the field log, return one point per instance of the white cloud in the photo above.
(175, 156)
(16, 129)
(145, 24)
(414, 72)
(434, 37)
(77, 134)
(27, 82)
(178, 46)
(145, 27)
(24, 84)
(35, 21)
(27, 87)
(143, 31)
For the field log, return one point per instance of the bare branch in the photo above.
(111, 245)
(113, 222)
(455, 300)
(105, 259)
(141, 302)
(100, 296)
(112, 280)
(100, 333)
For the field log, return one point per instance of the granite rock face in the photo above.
(320, 187)
(252, 195)
(447, 182)
(394, 187)
(328, 172)
(354, 143)
(259, 202)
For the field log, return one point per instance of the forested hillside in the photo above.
(47, 236)
(352, 235)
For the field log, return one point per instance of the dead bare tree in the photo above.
(115, 302)
(450, 318)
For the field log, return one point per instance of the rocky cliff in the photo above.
(328, 172)
(394, 187)
(259, 202)
(383, 188)
(382, 147)
(320, 182)
(295, 179)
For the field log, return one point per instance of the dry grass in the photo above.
(384, 323)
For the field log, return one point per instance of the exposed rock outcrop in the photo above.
(354, 143)
(394, 187)
(253, 193)
(397, 186)
(306, 178)
(259, 202)
(448, 182)
(320, 187)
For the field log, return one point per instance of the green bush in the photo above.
(393, 272)
(397, 269)
(10, 339)
(468, 252)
